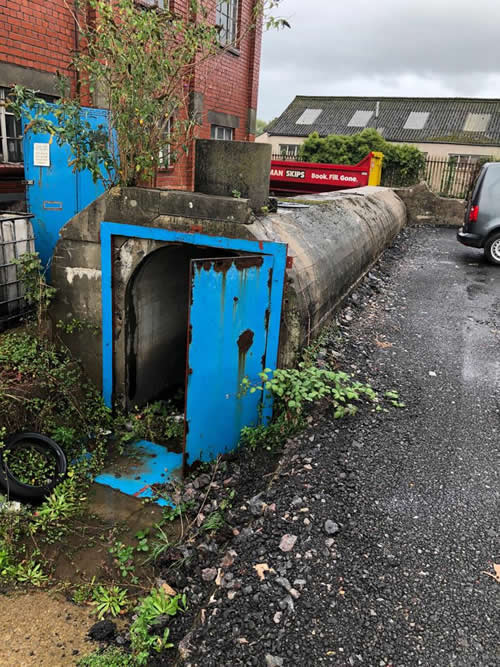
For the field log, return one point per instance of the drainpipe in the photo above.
(77, 48)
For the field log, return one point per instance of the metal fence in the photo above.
(452, 177)
(290, 157)
(16, 238)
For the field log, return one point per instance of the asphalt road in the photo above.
(414, 491)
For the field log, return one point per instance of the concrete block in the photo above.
(425, 207)
(222, 167)
(204, 207)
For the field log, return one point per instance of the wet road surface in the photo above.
(414, 491)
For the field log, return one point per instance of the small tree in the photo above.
(403, 164)
(142, 63)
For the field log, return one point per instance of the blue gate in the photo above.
(228, 332)
(55, 193)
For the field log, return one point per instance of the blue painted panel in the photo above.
(276, 250)
(145, 464)
(230, 309)
(57, 193)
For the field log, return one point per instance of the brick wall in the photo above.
(40, 35)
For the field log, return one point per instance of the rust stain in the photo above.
(245, 342)
(190, 334)
(266, 319)
(207, 265)
(270, 281)
(263, 361)
(196, 229)
(289, 262)
(261, 245)
(222, 265)
(235, 299)
(223, 295)
(243, 263)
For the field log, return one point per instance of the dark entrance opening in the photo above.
(157, 303)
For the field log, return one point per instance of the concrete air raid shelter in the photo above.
(195, 291)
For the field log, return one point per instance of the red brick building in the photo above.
(37, 38)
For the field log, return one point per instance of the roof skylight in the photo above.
(477, 122)
(416, 120)
(360, 119)
(309, 116)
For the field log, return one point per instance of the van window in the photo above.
(477, 187)
(488, 193)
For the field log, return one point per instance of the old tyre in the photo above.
(492, 248)
(31, 465)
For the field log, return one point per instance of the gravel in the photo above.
(369, 545)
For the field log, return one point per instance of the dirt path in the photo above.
(42, 629)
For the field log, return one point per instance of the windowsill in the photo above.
(231, 49)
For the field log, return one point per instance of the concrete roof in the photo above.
(405, 119)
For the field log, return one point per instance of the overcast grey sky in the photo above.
(381, 47)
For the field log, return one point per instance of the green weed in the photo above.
(156, 604)
(110, 657)
(110, 600)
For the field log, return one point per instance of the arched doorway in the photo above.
(157, 304)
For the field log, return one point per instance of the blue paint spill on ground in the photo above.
(144, 464)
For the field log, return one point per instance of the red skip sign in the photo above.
(309, 177)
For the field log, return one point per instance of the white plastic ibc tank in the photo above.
(16, 238)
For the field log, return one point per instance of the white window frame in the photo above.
(165, 153)
(289, 149)
(4, 139)
(226, 19)
(464, 159)
(161, 4)
(221, 133)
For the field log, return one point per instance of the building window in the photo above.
(165, 154)
(222, 133)
(161, 4)
(11, 134)
(289, 150)
(464, 159)
(226, 19)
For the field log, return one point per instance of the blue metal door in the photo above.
(55, 193)
(227, 340)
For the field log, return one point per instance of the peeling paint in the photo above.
(81, 272)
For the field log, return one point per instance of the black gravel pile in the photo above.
(368, 544)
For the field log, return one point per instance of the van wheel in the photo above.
(492, 249)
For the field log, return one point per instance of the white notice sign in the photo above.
(41, 155)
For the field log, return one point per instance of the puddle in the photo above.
(84, 553)
(144, 465)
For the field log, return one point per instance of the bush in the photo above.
(402, 166)
(43, 389)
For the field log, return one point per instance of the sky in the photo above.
(380, 48)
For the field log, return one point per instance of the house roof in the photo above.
(405, 119)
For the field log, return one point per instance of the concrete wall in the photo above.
(332, 242)
(425, 207)
(228, 167)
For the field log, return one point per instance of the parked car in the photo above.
(482, 217)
